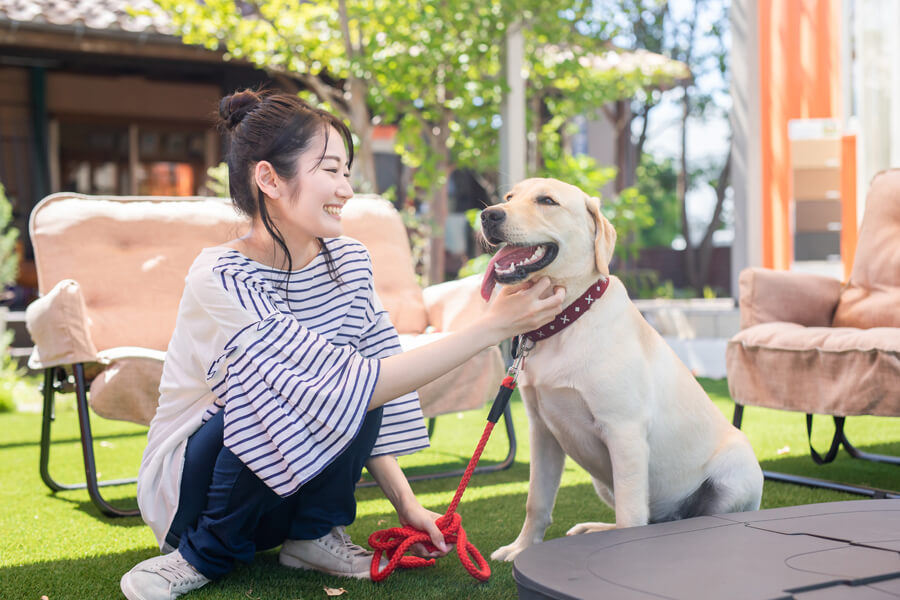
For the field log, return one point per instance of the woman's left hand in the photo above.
(424, 520)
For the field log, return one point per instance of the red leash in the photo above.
(396, 541)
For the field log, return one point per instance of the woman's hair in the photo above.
(277, 128)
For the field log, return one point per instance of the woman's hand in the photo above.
(521, 308)
(423, 519)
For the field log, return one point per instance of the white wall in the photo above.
(875, 50)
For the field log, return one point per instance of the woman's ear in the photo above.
(267, 179)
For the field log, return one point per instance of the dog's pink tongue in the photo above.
(505, 256)
(488, 283)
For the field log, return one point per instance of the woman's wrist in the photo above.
(489, 332)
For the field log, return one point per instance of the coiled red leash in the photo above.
(396, 541)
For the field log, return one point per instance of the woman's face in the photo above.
(321, 187)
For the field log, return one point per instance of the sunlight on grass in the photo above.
(58, 545)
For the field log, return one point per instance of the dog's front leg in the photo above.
(630, 457)
(547, 460)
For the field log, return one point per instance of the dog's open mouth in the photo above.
(514, 263)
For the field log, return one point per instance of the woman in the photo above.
(284, 374)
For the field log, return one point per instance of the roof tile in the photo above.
(99, 15)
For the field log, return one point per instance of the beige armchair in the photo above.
(111, 272)
(810, 344)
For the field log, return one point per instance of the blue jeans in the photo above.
(226, 513)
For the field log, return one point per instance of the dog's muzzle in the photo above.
(492, 220)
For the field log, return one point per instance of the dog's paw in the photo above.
(590, 528)
(507, 553)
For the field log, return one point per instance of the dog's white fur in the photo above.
(609, 392)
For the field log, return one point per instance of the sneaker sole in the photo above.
(128, 589)
(294, 562)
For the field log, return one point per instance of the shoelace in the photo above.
(179, 573)
(346, 544)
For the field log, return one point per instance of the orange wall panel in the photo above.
(799, 44)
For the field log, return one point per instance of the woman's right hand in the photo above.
(521, 308)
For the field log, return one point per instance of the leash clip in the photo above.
(523, 345)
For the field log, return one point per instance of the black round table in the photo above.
(830, 551)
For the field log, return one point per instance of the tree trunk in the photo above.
(438, 208)
(682, 186)
(364, 178)
(705, 249)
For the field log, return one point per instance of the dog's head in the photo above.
(546, 227)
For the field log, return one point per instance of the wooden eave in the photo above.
(79, 39)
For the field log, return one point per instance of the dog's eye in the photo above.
(547, 200)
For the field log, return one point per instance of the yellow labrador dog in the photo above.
(606, 389)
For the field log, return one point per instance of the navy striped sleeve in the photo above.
(403, 429)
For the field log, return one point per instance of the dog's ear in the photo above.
(604, 236)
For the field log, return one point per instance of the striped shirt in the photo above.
(292, 359)
(296, 382)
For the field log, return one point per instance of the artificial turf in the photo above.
(59, 546)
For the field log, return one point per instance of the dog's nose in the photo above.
(491, 216)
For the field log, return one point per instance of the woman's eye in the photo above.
(547, 200)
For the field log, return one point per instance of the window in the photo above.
(132, 158)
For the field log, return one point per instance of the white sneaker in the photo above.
(161, 578)
(333, 553)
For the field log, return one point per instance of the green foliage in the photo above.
(9, 262)
(629, 211)
(581, 171)
(431, 66)
(419, 230)
(475, 266)
(656, 180)
(9, 265)
(217, 180)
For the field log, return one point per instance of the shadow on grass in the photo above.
(489, 522)
(845, 468)
(95, 577)
(74, 440)
(78, 500)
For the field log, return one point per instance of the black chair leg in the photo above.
(860, 490)
(856, 453)
(738, 415)
(51, 384)
(500, 466)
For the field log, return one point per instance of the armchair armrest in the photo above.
(59, 326)
(768, 295)
(454, 304)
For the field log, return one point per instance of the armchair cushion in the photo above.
(803, 298)
(839, 371)
(59, 327)
(468, 386)
(872, 296)
(147, 242)
(128, 388)
(374, 222)
(454, 304)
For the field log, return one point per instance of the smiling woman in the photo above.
(279, 385)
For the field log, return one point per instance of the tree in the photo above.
(9, 265)
(430, 66)
(652, 25)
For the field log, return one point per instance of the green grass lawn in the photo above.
(58, 545)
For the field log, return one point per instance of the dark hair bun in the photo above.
(233, 108)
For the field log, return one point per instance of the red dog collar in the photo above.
(571, 312)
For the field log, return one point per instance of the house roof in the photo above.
(82, 16)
